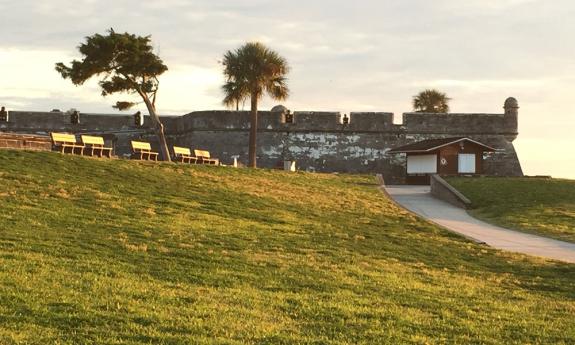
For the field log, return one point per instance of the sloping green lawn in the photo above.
(535, 205)
(119, 252)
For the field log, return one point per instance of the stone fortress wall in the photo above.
(317, 141)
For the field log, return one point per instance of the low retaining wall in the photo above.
(444, 191)
(25, 142)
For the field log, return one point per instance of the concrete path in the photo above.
(419, 200)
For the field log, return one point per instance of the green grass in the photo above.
(535, 205)
(118, 252)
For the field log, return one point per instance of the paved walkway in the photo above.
(419, 200)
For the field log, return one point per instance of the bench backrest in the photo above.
(184, 151)
(141, 146)
(92, 140)
(63, 138)
(202, 153)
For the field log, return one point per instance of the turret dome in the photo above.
(511, 102)
(279, 109)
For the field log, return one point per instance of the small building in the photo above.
(446, 156)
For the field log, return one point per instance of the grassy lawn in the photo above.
(118, 252)
(540, 206)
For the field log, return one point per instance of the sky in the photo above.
(344, 56)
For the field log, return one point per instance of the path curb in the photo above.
(442, 190)
(381, 182)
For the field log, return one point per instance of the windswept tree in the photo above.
(252, 71)
(125, 63)
(431, 101)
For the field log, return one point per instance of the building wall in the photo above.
(451, 154)
(317, 141)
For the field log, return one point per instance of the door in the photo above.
(422, 164)
(466, 163)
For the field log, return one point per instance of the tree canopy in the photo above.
(251, 71)
(431, 101)
(126, 63)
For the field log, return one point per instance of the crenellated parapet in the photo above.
(45, 122)
(302, 121)
(458, 124)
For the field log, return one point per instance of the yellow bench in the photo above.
(203, 157)
(96, 145)
(184, 155)
(142, 149)
(63, 141)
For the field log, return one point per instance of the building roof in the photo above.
(434, 144)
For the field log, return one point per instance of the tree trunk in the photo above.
(253, 132)
(159, 129)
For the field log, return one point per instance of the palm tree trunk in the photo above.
(253, 131)
(159, 129)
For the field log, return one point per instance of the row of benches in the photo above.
(184, 155)
(65, 141)
(94, 146)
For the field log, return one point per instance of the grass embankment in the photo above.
(540, 206)
(118, 252)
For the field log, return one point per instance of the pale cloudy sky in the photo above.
(346, 56)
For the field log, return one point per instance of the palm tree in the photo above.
(251, 71)
(431, 101)
(234, 95)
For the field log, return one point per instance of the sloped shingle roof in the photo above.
(434, 144)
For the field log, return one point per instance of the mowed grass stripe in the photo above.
(536, 205)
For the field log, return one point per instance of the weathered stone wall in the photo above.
(317, 141)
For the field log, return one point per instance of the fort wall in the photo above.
(317, 141)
